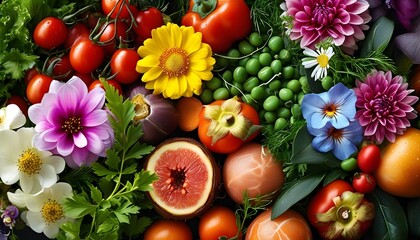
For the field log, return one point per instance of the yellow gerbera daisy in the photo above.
(175, 61)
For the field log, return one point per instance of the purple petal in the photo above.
(94, 118)
(65, 146)
(55, 86)
(408, 43)
(80, 140)
(95, 99)
(68, 99)
(95, 146)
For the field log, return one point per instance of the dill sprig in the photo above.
(265, 15)
(347, 69)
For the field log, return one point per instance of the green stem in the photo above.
(204, 7)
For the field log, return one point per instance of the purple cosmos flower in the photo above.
(384, 106)
(342, 142)
(337, 106)
(341, 20)
(70, 122)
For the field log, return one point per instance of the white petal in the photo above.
(27, 183)
(56, 162)
(18, 198)
(51, 230)
(35, 221)
(48, 176)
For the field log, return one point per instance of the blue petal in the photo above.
(343, 149)
(311, 103)
(323, 143)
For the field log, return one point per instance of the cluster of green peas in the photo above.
(260, 71)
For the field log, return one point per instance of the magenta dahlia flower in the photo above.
(70, 122)
(342, 20)
(384, 106)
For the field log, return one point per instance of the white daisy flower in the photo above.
(11, 117)
(45, 210)
(319, 58)
(21, 161)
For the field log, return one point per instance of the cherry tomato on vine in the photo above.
(78, 30)
(123, 65)
(50, 32)
(218, 221)
(98, 83)
(29, 74)
(112, 34)
(37, 87)
(86, 56)
(117, 8)
(146, 21)
(168, 230)
(61, 68)
(369, 158)
(364, 183)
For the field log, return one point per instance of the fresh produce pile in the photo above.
(209, 119)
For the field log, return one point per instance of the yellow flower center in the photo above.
(52, 211)
(72, 125)
(29, 162)
(322, 60)
(330, 110)
(174, 62)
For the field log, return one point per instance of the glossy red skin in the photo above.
(20, 102)
(37, 87)
(369, 158)
(62, 69)
(86, 56)
(119, 5)
(228, 143)
(86, 78)
(123, 65)
(146, 21)
(229, 22)
(50, 32)
(364, 183)
(168, 230)
(29, 74)
(111, 36)
(216, 222)
(78, 30)
(98, 83)
(322, 201)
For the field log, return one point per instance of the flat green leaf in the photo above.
(413, 210)
(303, 152)
(390, 222)
(295, 191)
(144, 179)
(137, 151)
(78, 206)
(101, 170)
(96, 194)
(334, 174)
(136, 225)
(378, 36)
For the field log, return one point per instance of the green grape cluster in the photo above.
(260, 70)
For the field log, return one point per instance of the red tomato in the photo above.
(50, 33)
(98, 83)
(116, 8)
(86, 56)
(29, 74)
(20, 102)
(113, 33)
(87, 78)
(217, 222)
(322, 202)
(61, 68)
(123, 65)
(364, 183)
(228, 143)
(146, 21)
(37, 87)
(369, 158)
(78, 30)
(168, 230)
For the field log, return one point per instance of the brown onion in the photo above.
(157, 115)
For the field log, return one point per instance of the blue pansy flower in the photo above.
(342, 142)
(337, 107)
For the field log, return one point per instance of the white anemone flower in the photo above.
(21, 161)
(18, 198)
(318, 59)
(11, 117)
(45, 212)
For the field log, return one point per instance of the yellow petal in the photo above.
(161, 37)
(204, 75)
(194, 82)
(152, 74)
(192, 43)
(161, 84)
(183, 84)
(150, 47)
(149, 61)
(176, 36)
(232, 106)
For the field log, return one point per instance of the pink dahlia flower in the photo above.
(341, 20)
(70, 122)
(384, 106)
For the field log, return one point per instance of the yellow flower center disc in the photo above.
(174, 62)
